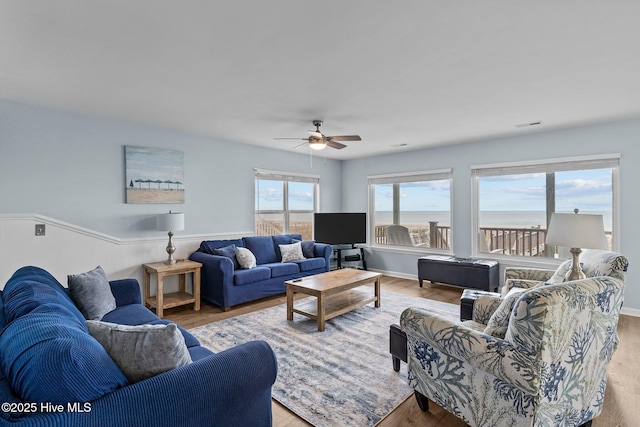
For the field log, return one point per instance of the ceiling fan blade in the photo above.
(300, 145)
(345, 138)
(334, 144)
(301, 139)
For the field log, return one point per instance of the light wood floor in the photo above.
(623, 387)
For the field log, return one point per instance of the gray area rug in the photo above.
(340, 377)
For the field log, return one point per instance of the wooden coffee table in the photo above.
(326, 287)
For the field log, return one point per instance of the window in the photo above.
(514, 202)
(285, 203)
(411, 210)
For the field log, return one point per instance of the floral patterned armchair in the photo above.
(536, 357)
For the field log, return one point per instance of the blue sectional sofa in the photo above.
(50, 361)
(225, 285)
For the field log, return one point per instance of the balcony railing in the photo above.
(523, 241)
(503, 240)
(513, 241)
(431, 236)
(271, 227)
(265, 227)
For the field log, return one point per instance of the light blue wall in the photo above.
(70, 166)
(618, 137)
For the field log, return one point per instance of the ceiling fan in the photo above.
(318, 141)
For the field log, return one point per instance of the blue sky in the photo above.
(415, 196)
(587, 190)
(270, 195)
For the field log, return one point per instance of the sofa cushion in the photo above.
(133, 314)
(29, 287)
(6, 395)
(208, 246)
(142, 351)
(263, 248)
(246, 258)
(291, 252)
(92, 293)
(310, 263)
(283, 239)
(308, 247)
(199, 352)
(49, 359)
(279, 269)
(245, 277)
(3, 318)
(24, 297)
(229, 252)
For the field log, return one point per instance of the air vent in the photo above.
(524, 125)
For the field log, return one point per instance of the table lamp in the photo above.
(576, 231)
(173, 221)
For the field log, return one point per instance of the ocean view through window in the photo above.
(411, 210)
(285, 203)
(515, 202)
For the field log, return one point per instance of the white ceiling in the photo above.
(421, 73)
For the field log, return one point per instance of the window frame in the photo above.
(575, 163)
(286, 178)
(400, 178)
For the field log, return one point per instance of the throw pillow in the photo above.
(291, 252)
(229, 252)
(308, 247)
(208, 246)
(561, 271)
(142, 351)
(245, 257)
(91, 292)
(499, 320)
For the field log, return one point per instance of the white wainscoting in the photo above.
(68, 249)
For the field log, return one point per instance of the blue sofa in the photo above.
(225, 286)
(71, 369)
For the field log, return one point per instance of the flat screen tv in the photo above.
(340, 228)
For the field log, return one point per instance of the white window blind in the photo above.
(411, 177)
(548, 166)
(285, 176)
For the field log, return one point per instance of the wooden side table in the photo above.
(174, 299)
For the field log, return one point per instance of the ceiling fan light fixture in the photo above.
(317, 141)
(317, 144)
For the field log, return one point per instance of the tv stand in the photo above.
(349, 256)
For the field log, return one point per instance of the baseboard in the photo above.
(395, 274)
(630, 311)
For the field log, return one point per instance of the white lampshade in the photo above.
(577, 231)
(172, 221)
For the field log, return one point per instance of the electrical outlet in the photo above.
(40, 229)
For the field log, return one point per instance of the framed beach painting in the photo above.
(154, 175)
